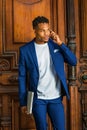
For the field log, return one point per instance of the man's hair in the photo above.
(39, 19)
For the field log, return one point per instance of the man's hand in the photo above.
(24, 109)
(55, 37)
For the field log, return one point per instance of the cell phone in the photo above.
(51, 36)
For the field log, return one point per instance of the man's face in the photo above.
(42, 33)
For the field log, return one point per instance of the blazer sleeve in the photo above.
(22, 79)
(68, 55)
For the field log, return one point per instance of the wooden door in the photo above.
(15, 30)
(69, 19)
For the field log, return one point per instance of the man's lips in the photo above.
(46, 37)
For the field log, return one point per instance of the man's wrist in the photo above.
(60, 43)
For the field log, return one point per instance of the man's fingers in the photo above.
(24, 109)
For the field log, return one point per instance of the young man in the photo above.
(43, 58)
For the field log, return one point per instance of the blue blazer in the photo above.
(28, 67)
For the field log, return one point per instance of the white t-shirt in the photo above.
(49, 86)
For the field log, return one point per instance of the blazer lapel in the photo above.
(52, 51)
(56, 63)
(51, 48)
(33, 53)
